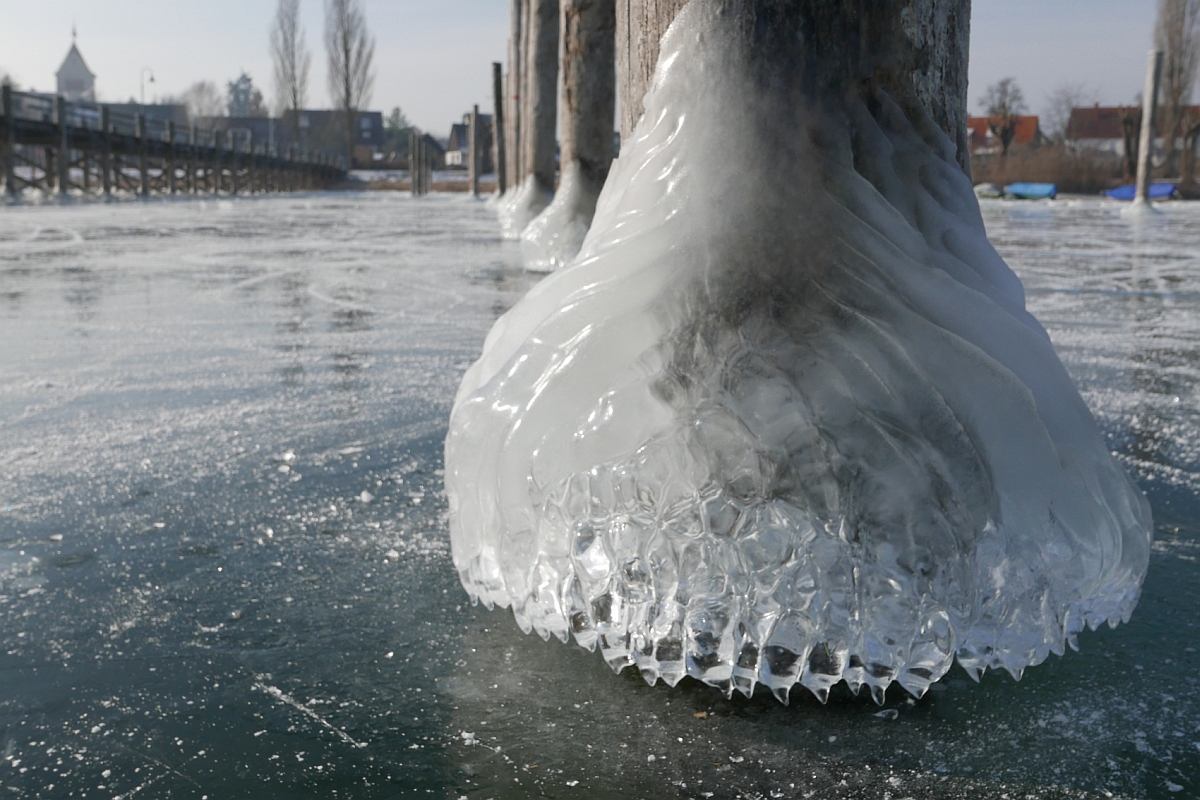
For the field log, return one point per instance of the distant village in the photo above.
(1078, 146)
(1086, 148)
(380, 142)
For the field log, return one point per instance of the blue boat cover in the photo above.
(1032, 191)
(1127, 192)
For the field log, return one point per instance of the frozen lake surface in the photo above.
(225, 570)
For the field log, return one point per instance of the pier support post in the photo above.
(171, 158)
(192, 163)
(542, 120)
(473, 148)
(412, 164)
(512, 95)
(589, 87)
(233, 161)
(1149, 109)
(106, 156)
(143, 172)
(427, 160)
(64, 147)
(216, 170)
(499, 156)
(10, 144)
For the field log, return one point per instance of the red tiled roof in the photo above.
(1103, 122)
(979, 128)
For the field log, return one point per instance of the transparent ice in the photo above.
(786, 419)
(519, 207)
(554, 239)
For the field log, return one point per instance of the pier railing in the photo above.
(50, 145)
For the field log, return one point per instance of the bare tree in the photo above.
(1191, 136)
(1131, 131)
(292, 60)
(203, 99)
(1177, 35)
(1059, 105)
(1004, 103)
(350, 49)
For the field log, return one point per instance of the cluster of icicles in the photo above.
(785, 419)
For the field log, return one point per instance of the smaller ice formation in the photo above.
(786, 420)
(554, 238)
(527, 201)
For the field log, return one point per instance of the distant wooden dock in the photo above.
(53, 146)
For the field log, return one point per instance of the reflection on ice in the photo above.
(787, 420)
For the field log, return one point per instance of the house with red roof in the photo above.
(984, 139)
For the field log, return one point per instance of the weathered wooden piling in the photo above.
(170, 166)
(1149, 110)
(929, 65)
(516, 87)
(473, 150)
(106, 152)
(143, 170)
(542, 87)
(233, 161)
(499, 155)
(64, 148)
(588, 87)
(10, 147)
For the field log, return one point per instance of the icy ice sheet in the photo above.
(133, 663)
(786, 419)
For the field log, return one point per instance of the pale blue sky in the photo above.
(433, 56)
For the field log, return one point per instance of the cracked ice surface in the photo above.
(787, 420)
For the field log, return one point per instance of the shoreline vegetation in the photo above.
(1074, 171)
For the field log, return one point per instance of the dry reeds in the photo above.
(1072, 170)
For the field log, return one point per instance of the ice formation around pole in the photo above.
(526, 202)
(555, 237)
(786, 419)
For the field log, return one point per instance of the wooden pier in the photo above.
(52, 146)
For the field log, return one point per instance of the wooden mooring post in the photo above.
(64, 148)
(499, 156)
(106, 153)
(171, 188)
(473, 151)
(1145, 161)
(10, 149)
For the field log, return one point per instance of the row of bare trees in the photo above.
(349, 48)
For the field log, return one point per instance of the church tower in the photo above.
(75, 81)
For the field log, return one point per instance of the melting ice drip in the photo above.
(786, 419)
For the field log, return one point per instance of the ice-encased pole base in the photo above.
(555, 237)
(786, 419)
(519, 206)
